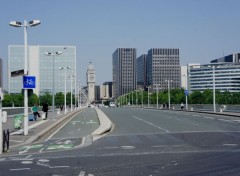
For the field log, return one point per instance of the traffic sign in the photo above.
(17, 73)
(29, 82)
(186, 92)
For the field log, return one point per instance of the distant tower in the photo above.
(91, 82)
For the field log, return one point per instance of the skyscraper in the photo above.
(163, 64)
(124, 71)
(142, 71)
(41, 66)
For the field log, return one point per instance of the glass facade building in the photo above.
(124, 71)
(227, 77)
(141, 71)
(41, 66)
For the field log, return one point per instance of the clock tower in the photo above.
(91, 82)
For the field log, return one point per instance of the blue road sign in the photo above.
(186, 92)
(29, 82)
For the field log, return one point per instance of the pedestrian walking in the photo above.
(45, 109)
(35, 111)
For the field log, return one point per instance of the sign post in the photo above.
(29, 82)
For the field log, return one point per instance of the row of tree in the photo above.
(17, 100)
(177, 96)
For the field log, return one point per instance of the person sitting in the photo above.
(35, 111)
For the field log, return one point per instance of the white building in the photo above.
(41, 66)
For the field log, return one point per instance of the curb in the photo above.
(105, 123)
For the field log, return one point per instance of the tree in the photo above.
(33, 99)
(59, 99)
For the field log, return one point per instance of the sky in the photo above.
(203, 30)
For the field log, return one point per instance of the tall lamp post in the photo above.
(53, 80)
(214, 94)
(186, 91)
(65, 87)
(25, 25)
(157, 88)
(148, 94)
(168, 81)
(71, 76)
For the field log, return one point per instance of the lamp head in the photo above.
(15, 23)
(34, 23)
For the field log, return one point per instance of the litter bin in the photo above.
(18, 121)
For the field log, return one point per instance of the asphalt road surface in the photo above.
(143, 142)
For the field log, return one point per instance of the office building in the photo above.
(109, 86)
(142, 71)
(124, 71)
(226, 76)
(41, 66)
(163, 64)
(233, 58)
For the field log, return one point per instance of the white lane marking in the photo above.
(53, 167)
(2, 159)
(19, 169)
(110, 147)
(43, 160)
(90, 175)
(196, 115)
(28, 156)
(82, 173)
(149, 123)
(26, 162)
(208, 117)
(224, 120)
(127, 147)
(230, 145)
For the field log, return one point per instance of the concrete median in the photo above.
(105, 123)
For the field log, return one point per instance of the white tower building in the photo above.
(91, 82)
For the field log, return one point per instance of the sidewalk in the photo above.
(37, 129)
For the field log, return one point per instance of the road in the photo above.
(143, 142)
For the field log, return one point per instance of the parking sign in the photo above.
(29, 82)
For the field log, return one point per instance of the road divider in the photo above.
(105, 123)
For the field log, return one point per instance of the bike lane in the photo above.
(70, 135)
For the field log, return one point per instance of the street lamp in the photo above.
(186, 91)
(25, 25)
(53, 88)
(168, 93)
(148, 94)
(65, 87)
(71, 76)
(214, 94)
(157, 92)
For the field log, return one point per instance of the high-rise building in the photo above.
(1, 73)
(163, 64)
(142, 71)
(124, 71)
(234, 58)
(109, 86)
(41, 66)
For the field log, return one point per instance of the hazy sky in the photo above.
(202, 29)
